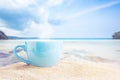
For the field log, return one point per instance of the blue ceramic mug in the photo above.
(41, 53)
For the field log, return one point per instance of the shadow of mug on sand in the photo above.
(41, 53)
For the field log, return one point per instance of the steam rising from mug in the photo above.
(27, 18)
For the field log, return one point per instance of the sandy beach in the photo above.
(78, 62)
(64, 70)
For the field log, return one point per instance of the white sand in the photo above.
(65, 70)
(71, 67)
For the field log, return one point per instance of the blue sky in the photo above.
(60, 18)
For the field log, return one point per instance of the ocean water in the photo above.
(93, 50)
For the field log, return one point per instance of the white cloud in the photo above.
(11, 32)
(16, 4)
(35, 30)
(2, 23)
(54, 2)
(92, 9)
(41, 10)
(38, 30)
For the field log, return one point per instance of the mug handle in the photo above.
(19, 57)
